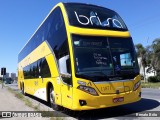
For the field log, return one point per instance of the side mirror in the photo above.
(64, 66)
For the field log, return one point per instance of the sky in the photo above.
(20, 18)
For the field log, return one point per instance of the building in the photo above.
(13, 76)
(6, 76)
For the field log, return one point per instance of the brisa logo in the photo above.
(93, 16)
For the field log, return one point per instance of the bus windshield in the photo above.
(104, 58)
(90, 16)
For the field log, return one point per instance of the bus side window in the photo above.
(44, 68)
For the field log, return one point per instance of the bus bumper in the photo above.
(85, 101)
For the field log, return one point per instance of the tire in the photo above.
(22, 90)
(52, 100)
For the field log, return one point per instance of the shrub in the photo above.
(154, 79)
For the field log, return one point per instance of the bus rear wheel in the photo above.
(22, 89)
(52, 99)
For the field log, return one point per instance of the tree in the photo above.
(156, 55)
(141, 52)
(149, 54)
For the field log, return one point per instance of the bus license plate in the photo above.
(120, 99)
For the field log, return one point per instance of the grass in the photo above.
(19, 95)
(150, 85)
(28, 103)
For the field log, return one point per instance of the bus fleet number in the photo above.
(105, 88)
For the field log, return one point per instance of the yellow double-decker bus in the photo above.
(81, 57)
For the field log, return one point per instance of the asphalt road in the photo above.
(150, 104)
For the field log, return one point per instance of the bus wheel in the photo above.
(52, 99)
(22, 89)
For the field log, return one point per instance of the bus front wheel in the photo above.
(52, 99)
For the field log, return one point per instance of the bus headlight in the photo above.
(87, 89)
(136, 85)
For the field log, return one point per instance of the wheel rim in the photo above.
(52, 99)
